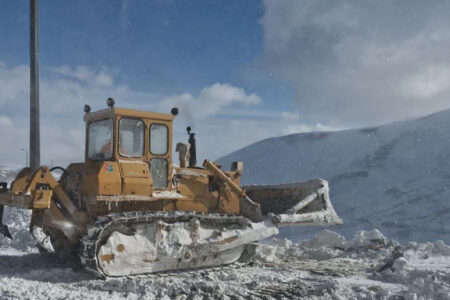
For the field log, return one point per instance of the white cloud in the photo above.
(5, 121)
(427, 83)
(12, 81)
(224, 115)
(88, 75)
(293, 124)
(357, 63)
(210, 100)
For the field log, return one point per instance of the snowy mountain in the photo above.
(394, 177)
(8, 173)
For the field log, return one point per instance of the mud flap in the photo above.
(296, 204)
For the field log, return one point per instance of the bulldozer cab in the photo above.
(134, 142)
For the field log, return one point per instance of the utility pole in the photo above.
(35, 155)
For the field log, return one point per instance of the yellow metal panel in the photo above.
(137, 186)
(143, 114)
(136, 179)
(21, 182)
(191, 206)
(132, 169)
(229, 201)
(109, 180)
(42, 199)
(195, 184)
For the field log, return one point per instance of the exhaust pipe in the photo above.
(192, 149)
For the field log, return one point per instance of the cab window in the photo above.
(131, 137)
(160, 172)
(159, 139)
(100, 140)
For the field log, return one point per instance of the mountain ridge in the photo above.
(400, 172)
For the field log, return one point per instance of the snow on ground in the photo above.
(369, 266)
(395, 177)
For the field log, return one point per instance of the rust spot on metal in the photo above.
(120, 247)
(187, 255)
(107, 257)
(228, 240)
(150, 261)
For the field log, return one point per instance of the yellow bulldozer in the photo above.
(129, 209)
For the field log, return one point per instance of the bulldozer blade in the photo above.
(298, 204)
(3, 228)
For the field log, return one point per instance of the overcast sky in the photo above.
(239, 71)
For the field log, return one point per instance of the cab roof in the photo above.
(124, 112)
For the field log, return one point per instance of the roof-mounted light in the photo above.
(110, 102)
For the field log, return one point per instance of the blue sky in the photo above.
(165, 47)
(240, 71)
(159, 48)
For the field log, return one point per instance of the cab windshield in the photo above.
(100, 140)
(131, 137)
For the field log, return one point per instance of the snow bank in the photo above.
(18, 220)
(424, 268)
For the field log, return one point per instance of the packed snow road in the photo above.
(327, 267)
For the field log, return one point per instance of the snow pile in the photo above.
(415, 271)
(18, 220)
(395, 177)
(328, 244)
(421, 271)
(424, 268)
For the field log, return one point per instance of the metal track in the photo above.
(92, 241)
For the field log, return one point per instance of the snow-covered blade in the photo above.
(299, 204)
